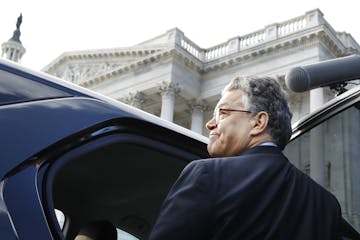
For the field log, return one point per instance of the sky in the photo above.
(52, 27)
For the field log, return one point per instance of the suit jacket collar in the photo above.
(261, 149)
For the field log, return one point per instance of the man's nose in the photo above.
(211, 124)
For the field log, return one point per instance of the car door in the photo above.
(70, 156)
(119, 171)
(122, 175)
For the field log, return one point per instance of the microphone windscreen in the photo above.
(325, 73)
(297, 79)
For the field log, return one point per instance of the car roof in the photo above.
(124, 107)
(29, 127)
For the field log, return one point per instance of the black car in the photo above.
(69, 157)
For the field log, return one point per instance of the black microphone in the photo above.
(322, 74)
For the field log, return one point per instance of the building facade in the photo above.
(172, 77)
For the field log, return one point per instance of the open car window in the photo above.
(121, 234)
(121, 178)
(125, 235)
(60, 218)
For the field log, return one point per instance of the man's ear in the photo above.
(259, 123)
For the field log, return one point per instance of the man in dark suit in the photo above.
(249, 190)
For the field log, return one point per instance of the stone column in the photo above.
(13, 51)
(197, 108)
(316, 98)
(136, 99)
(168, 90)
(317, 161)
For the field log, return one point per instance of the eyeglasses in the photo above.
(219, 113)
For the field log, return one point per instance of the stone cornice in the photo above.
(176, 52)
(188, 60)
(102, 54)
(130, 67)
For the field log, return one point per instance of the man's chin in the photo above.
(212, 152)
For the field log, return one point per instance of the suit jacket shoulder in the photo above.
(256, 195)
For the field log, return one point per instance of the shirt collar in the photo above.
(271, 144)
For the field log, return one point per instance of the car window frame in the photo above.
(331, 108)
(49, 170)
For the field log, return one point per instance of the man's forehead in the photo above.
(231, 98)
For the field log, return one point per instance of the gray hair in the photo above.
(266, 94)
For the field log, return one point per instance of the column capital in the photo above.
(198, 105)
(135, 99)
(169, 88)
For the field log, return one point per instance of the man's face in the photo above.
(230, 133)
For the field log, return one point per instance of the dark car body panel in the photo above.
(34, 126)
(26, 216)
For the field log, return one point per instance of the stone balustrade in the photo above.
(252, 39)
(269, 33)
(217, 51)
(191, 47)
(291, 26)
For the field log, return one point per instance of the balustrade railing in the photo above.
(216, 51)
(291, 26)
(238, 44)
(191, 47)
(252, 39)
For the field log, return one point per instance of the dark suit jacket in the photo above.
(257, 195)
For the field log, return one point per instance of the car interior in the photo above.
(119, 179)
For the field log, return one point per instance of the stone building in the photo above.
(172, 77)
